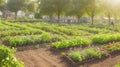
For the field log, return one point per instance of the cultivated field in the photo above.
(41, 44)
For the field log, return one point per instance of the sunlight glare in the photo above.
(114, 2)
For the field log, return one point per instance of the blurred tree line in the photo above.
(58, 8)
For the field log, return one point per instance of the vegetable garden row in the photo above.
(94, 53)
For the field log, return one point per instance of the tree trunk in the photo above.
(92, 19)
(115, 19)
(58, 17)
(109, 20)
(0, 19)
(15, 15)
(4, 15)
(50, 20)
(78, 19)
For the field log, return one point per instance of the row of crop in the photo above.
(61, 30)
(5, 27)
(21, 27)
(56, 29)
(50, 29)
(71, 43)
(67, 31)
(88, 53)
(30, 39)
(26, 40)
(47, 28)
(93, 53)
(70, 29)
(105, 38)
(98, 39)
(112, 47)
(20, 32)
(85, 28)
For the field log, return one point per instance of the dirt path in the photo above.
(109, 62)
(43, 57)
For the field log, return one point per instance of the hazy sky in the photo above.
(114, 1)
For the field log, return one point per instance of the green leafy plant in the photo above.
(45, 37)
(26, 40)
(117, 65)
(8, 59)
(37, 46)
(76, 56)
(105, 38)
(88, 53)
(50, 29)
(58, 38)
(71, 43)
(112, 47)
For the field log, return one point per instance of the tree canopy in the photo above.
(2, 5)
(15, 5)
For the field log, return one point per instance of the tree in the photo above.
(77, 9)
(116, 12)
(2, 5)
(92, 8)
(118, 9)
(38, 15)
(107, 9)
(57, 7)
(32, 7)
(46, 8)
(60, 6)
(15, 5)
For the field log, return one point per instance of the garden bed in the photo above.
(111, 54)
(114, 53)
(85, 61)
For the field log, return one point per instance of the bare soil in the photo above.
(45, 57)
